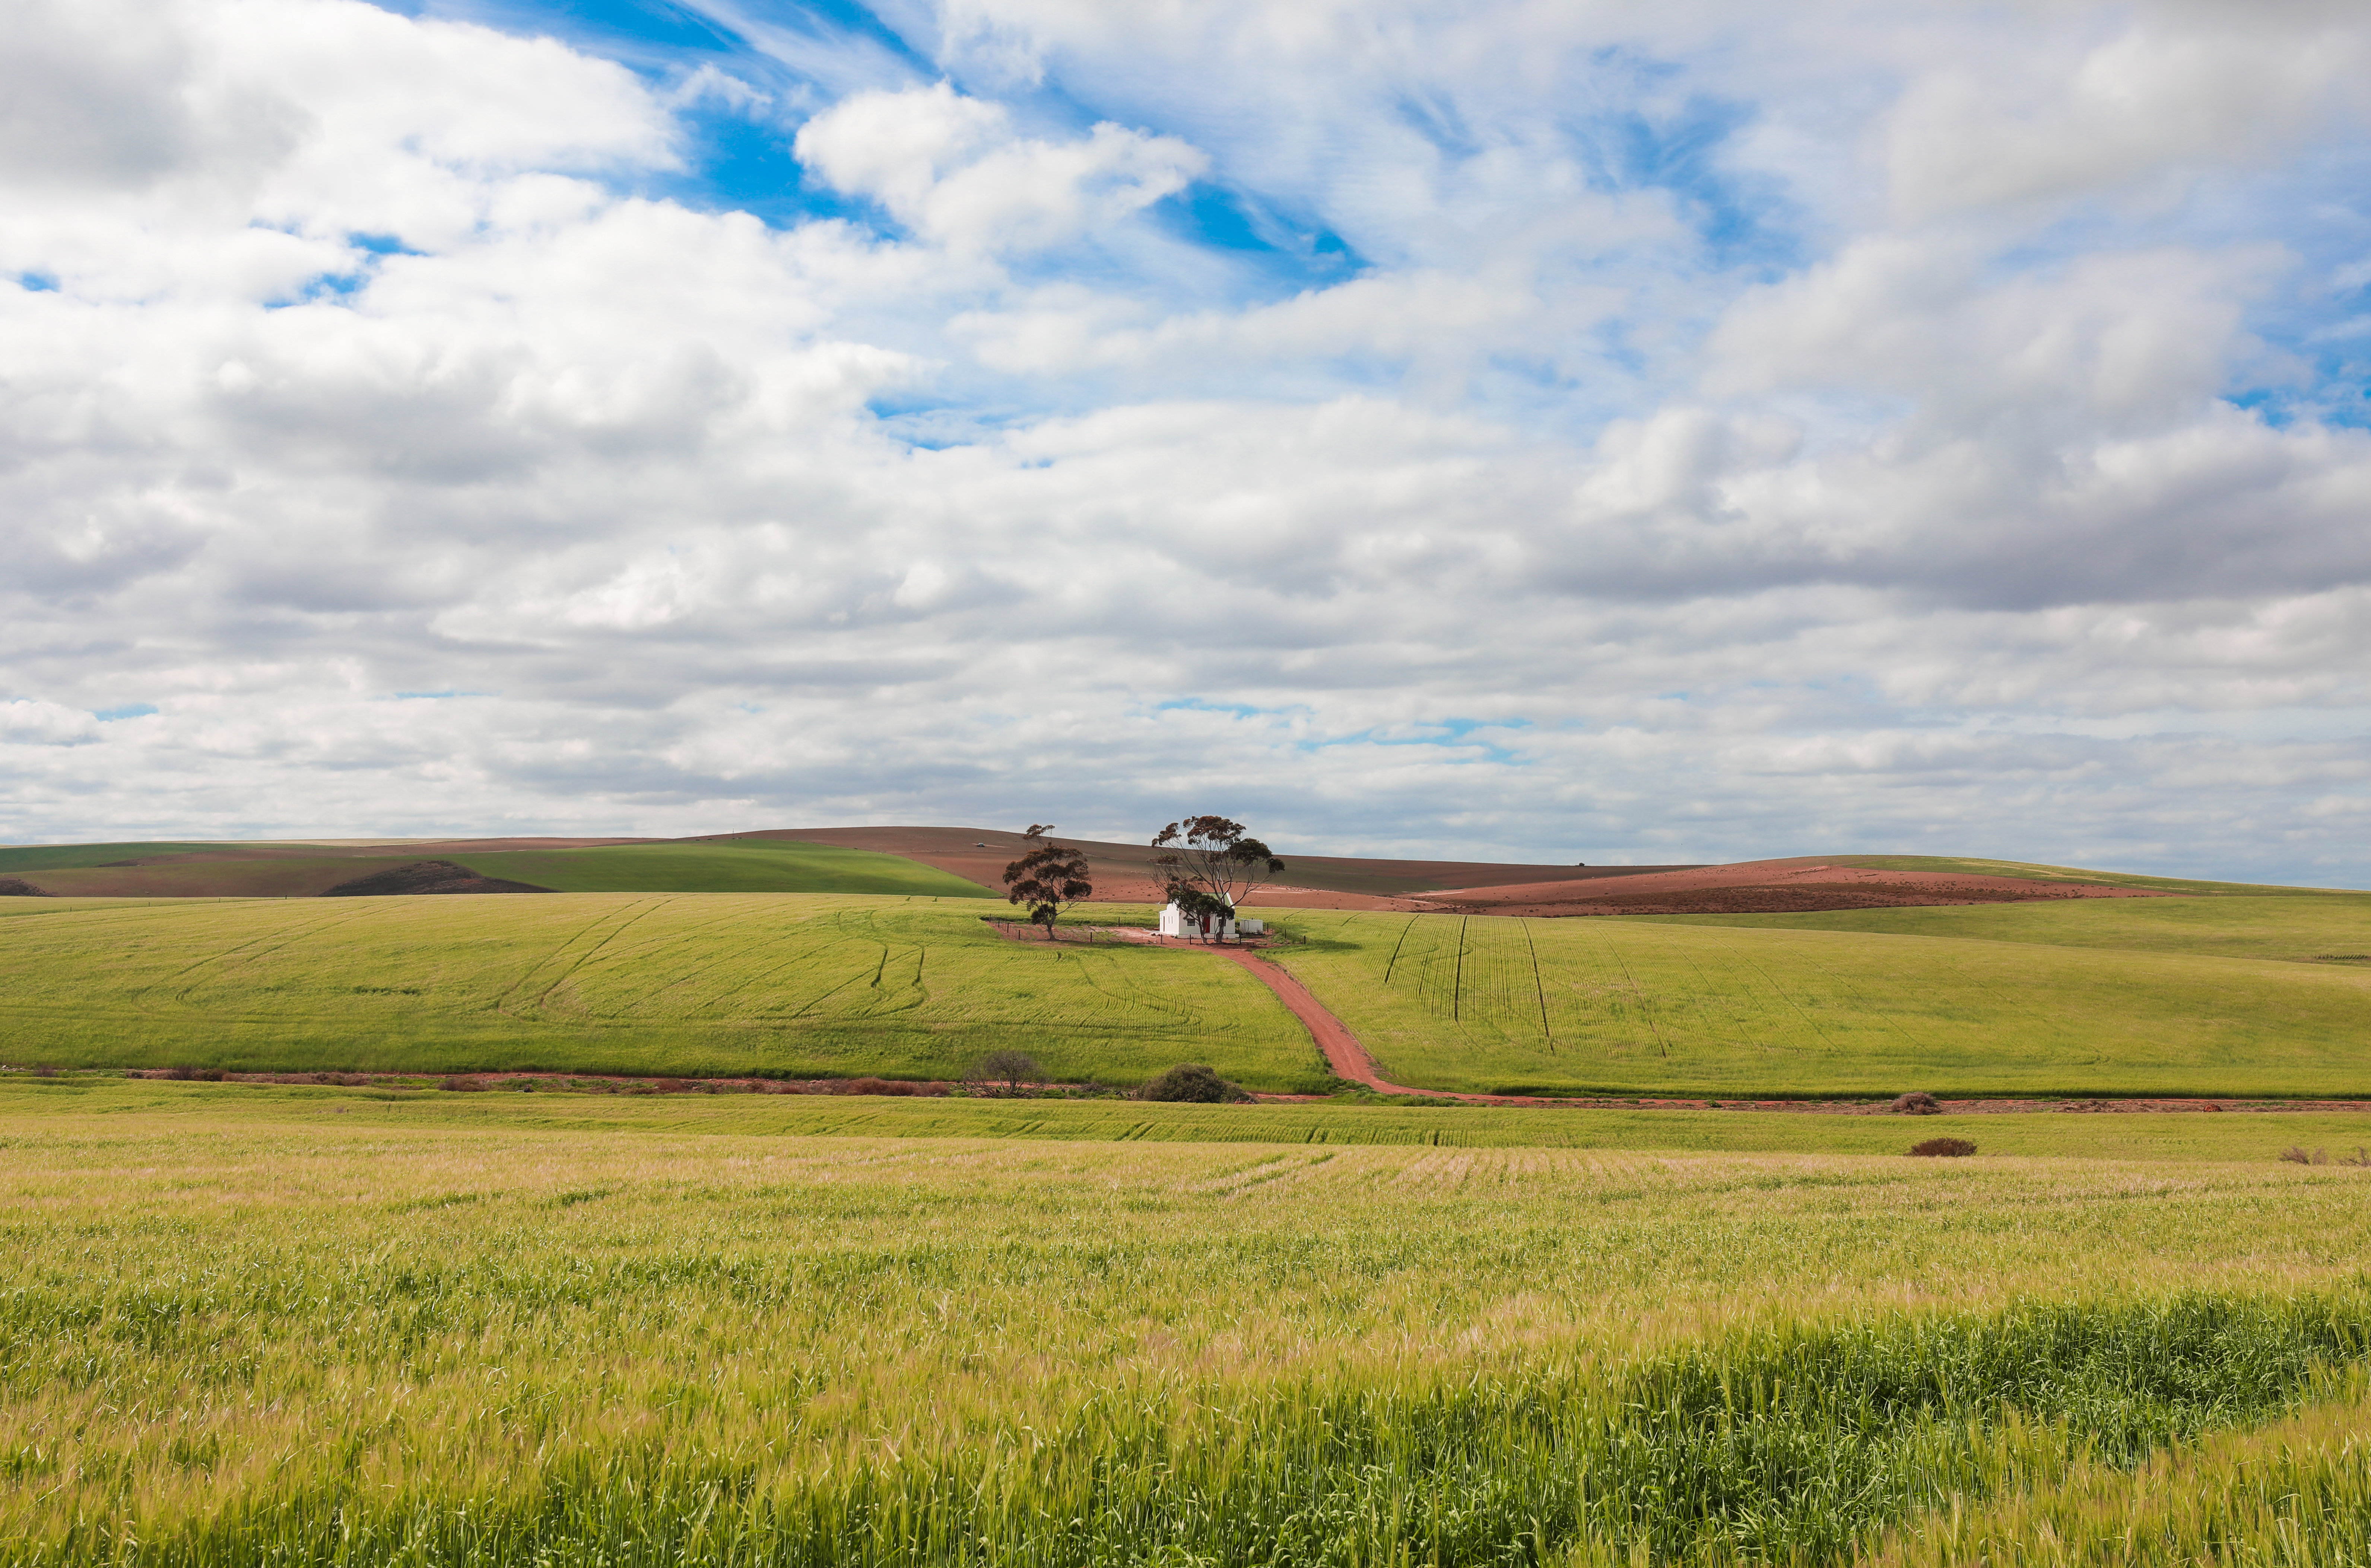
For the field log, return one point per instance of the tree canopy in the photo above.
(1049, 876)
(1214, 856)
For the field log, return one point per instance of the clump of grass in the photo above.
(460, 1085)
(2296, 1492)
(1944, 1148)
(1917, 1102)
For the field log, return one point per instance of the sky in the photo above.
(1544, 430)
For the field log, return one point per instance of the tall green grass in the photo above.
(225, 1344)
(1783, 1445)
(2297, 1493)
(1630, 1006)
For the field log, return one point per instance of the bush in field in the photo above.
(463, 1085)
(884, 1086)
(1917, 1102)
(1191, 1083)
(1003, 1072)
(1948, 1148)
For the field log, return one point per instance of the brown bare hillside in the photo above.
(1123, 873)
(1762, 887)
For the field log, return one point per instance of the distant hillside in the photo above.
(305, 871)
(968, 862)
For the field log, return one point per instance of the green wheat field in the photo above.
(258, 1325)
(2187, 996)
(307, 1324)
(2211, 996)
(706, 984)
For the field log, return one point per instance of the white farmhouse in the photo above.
(1176, 922)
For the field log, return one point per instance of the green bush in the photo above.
(1192, 1083)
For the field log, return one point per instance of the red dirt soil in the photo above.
(1761, 887)
(1123, 873)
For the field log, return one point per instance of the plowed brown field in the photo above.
(1759, 887)
(1123, 873)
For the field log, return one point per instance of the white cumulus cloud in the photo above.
(1588, 431)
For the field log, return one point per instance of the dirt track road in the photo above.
(1349, 1060)
(1343, 1052)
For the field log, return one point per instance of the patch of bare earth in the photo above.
(1762, 887)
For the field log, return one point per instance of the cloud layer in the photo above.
(1578, 432)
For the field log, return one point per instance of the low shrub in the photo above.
(463, 1085)
(1917, 1102)
(1004, 1072)
(876, 1086)
(193, 1075)
(1191, 1083)
(1948, 1148)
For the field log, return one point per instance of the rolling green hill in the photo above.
(2327, 927)
(675, 983)
(273, 876)
(2209, 997)
(731, 866)
(269, 871)
(20, 857)
(1758, 1005)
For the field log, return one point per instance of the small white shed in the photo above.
(1175, 923)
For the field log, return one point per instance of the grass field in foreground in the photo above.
(231, 1341)
(2297, 928)
(676, 984)
(1444, 1001)
(2193, 1137)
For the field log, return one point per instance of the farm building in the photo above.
(1176, 922)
